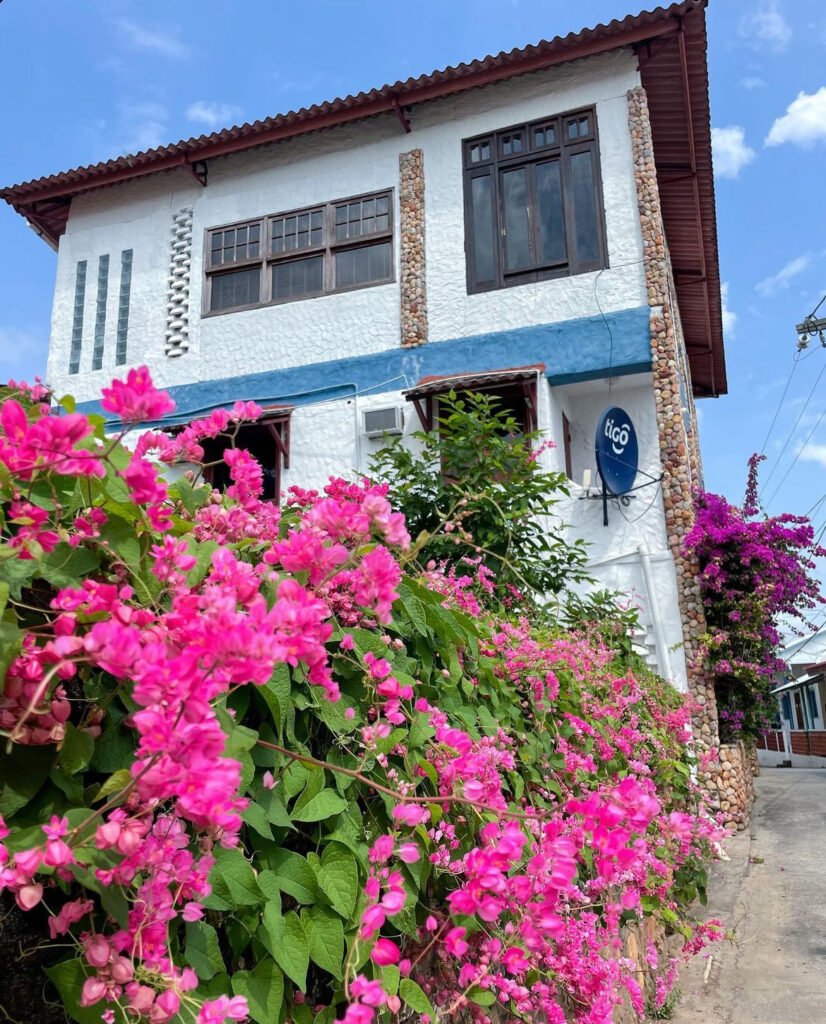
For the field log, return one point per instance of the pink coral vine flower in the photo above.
(136, 399)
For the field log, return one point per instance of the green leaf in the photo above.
(273, 806)
(390, 977)
(114, 748)
(233, 880)
(10, 640)
(264, 991)
(70, 785)
(67, 566)
(119, 780)
(202, 950)
(277, 695)
(414, 608)
(414, 997)
(333, 716)
(482, 996)
(23, 772)
(122, 539)
(326, 934)
(339, 878)
(68, 403)
(294, 876)
(288, 943)
(192, 498)
(256, 817)
(313, 786)
(324, 805)
(76, 750)
(203, 553)
(68, 978)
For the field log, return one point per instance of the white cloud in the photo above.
(813, 453)
(752, 82)
(804, 122)
(213, 115)
(160, 39)
(766, 27)
(777, 282)
(143, 126)
(729, 316)
(731, 154)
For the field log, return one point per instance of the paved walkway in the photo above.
(772, 893)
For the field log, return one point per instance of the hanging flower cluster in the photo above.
(269, 764)
(757, 577)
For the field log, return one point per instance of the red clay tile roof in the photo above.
(671, 45)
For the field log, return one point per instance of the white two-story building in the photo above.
(539, 224)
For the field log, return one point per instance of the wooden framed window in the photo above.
(566, 447)
(533, 202)
(514, 390)
(300, 254)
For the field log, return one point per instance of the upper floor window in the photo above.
(533, 202)
(328, 248)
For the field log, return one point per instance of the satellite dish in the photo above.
(617, 451)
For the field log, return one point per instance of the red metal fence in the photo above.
(808, 743)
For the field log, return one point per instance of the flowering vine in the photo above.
(260, 765)
(756, 575)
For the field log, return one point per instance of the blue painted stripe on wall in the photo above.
(582, 349)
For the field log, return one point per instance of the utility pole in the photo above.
(812, 325)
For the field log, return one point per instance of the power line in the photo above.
(795, 361)
(815, 507)
(794, 428)
(799, 453)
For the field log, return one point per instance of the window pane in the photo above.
(239, 288)
(515, 208)
(482, 213)
(544, 136)
(363, 266)
(585, 207)
(551, 222)
(298, 277)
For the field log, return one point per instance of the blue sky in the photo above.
(94, 79)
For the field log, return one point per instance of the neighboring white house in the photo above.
(539, 224)
(801, 690)
(798, 735)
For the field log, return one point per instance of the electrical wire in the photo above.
(794, 428)
(815, 507)
(647, 508)
(799, 453)
(795, 361)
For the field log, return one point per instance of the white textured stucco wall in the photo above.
(326, 166)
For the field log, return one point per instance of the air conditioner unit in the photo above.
(378, 422)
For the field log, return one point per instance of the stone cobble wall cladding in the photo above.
(735, 782)
(413, 293)
(679, 454)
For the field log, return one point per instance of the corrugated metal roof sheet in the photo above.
(439, 384)
(657, 35)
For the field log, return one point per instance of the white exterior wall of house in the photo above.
(331, 165)
(327, 435)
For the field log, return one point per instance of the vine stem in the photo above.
(395, 794)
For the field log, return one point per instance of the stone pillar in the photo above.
(412, 286)
(679, 447)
